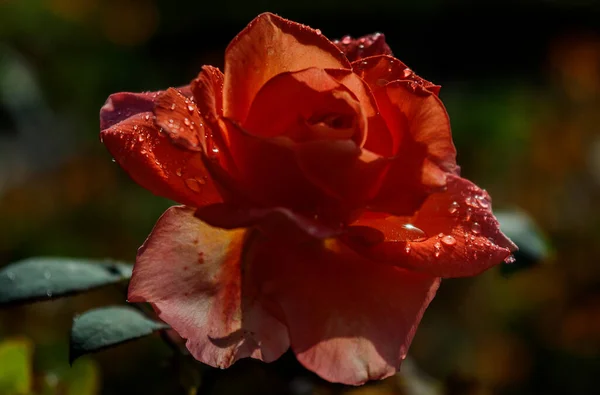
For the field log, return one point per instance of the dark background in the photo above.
(521, 82)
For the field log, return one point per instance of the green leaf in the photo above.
(106, 327)
(42, 278)
(522, 230)
(15, 366)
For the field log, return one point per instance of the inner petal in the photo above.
(305, 106)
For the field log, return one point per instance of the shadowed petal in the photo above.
(349, 320)
(268, 46)
(426, 153)
(362, 47)
(151, 159)
(456, 234)
(191, 274)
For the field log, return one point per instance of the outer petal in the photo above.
(191, 274)
(362, 47)
(349, 320)
(150, 158)
(378, 71)
(178, 116)
(268, 46)
(426, 154)
(456, 234)
(120, 106)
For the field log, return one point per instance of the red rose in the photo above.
(322, 202)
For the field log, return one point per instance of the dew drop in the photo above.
(186, 122)
(476, 228)
(190, 108)
(193, 184)
(147, 117)
(171, 121)
(482, 201)
(448, 240)
(47, 275)
(410, 232)
(437, 246)
(172, 106)
(407, 248)
(178, 172)
(140, 138)
(215, 149)
(468, 214)
(318, 31)
(49, 293)
(10, 275)
(510, 259)
(453, 209)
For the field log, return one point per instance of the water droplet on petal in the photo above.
(453, 209)
(147, 117)
(318, 31)
(448, 240)
(49, 293)
(510, 259)
(437, 247)
(190, 108)
(10, 275)
(47, 275)
(194, 184)
(407, 248)
(186, 122)
(476, 228)
(140, 138)
(483, 202)
(178, 172)
(410, 232)
(172, 106)
(215, 149)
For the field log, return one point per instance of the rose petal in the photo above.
(120, 106)
(362, 47)
(292, 104)
(276, 220)
(208, 93)
(342, 169)
(426, 154)
(456, 234)
(268, 46)
(178, 116)
(191, 274)
(349, 320)
(378, 138)
(269, 174)
(378, 71)
(156, 164)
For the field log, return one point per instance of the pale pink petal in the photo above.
(192, 275)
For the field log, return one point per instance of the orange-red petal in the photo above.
(380, 70)
(151, 159)
(192, 275)
(293, 104)
(178, 116)
(268, 46)
(454, 234)
(349, 320)
(419, 123)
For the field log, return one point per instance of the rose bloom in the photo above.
(321, 202)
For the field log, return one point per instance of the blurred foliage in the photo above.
(17, 375)
(521, 81)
